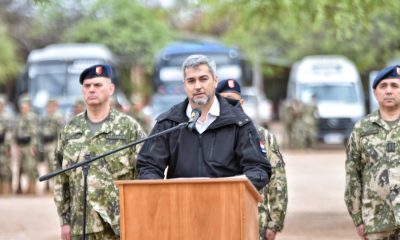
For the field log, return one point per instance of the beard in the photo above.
(201, 101)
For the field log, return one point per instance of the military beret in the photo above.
(99, 70)
(387, 72)
(228, 85)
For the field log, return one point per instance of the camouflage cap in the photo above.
(24, 98)
(52, 100)
(79, 101)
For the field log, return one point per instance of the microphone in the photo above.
(196, 113)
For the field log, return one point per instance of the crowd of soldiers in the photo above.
(28, 142)
(300, 120)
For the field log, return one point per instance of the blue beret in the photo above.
(99, 70)
(228, 85)
(387, 72)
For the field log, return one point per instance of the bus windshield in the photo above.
(58, 79)
(170, 67)
(329, 92)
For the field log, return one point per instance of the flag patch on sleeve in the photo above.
(263, 148)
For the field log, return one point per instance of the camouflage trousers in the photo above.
(28, 163)
(49, 155)
(387, 235)
(5, 168)
(107, 234)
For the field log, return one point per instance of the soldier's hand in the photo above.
(34, 151)
(8, 152)
(65, 232)
(270, 235)
(360, 231)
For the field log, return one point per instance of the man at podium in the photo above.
(222, 143)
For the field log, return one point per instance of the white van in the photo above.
(335, 82)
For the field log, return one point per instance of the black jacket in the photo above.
(230, 146)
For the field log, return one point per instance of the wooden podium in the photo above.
(189, 209)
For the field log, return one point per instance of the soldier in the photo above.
(50, 127)
(310, 121)
(97, 130)
(272, 210)
(79, 107)
(5, 149)
(138, 113)
(286, 116)
(373, 163)
(297, 134)
(26, 132)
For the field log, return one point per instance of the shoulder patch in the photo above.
(262, 146)
(73, 136)
(369, 132)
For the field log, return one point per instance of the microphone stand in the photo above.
(88, 159)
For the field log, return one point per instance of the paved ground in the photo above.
(316, 208)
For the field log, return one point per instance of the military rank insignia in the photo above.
(99, 70)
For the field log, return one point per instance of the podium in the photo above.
(189, 209)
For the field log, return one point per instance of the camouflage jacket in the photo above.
(272, 210)
(74, 143)
(51, 126)
(26, 129)
(373, 174)
(5, 130)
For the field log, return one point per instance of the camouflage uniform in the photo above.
(373, 174)
(5, 152)
(142, 119)
(50, 128)
(309, 121)
(75, 141)
(287, 122)
(26, 139)
(272, 210)
(297, 134)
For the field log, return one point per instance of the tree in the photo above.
(282, 31)
(9, 64)
(134, 33)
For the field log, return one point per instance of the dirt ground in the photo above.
(316, 208)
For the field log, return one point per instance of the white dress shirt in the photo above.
(210, 118)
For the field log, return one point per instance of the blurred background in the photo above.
(281, 51)
(255, 41)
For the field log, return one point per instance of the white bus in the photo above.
(53, 72)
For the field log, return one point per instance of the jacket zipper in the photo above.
(200, 155)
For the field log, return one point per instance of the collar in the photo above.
(215, 109)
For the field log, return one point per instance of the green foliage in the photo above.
(9, 65)
(362, 30)
(133, 32)
(128, 28)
